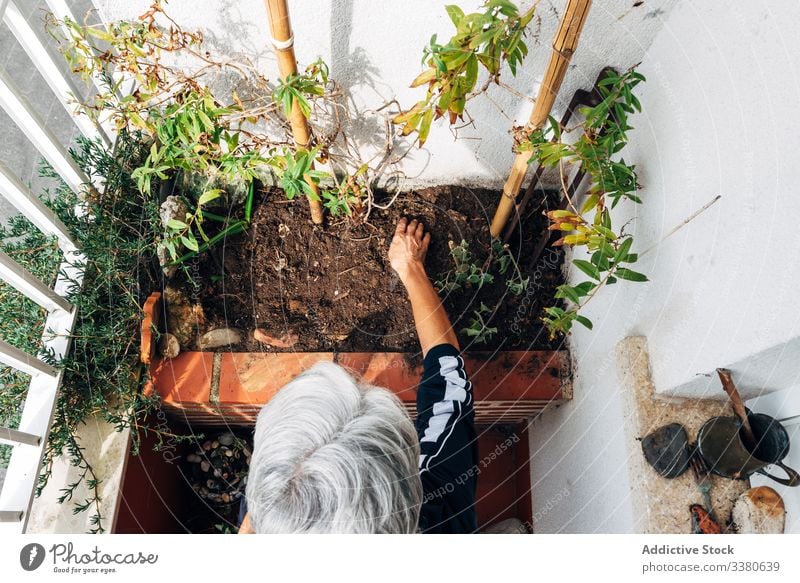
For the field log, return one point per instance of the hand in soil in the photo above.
(409, 246)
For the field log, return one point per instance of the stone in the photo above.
(667, 450)
(219, 337)
(193, 458)
(184, 317)
(168, 346)
(172, 208)
(284, 341)
(226, 439)
(759, 511)
(205, 466)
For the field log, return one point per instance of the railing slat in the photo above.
(23, 469)
(10, 515)
(34, 209)
(63, 87)
(25, 282)
(35, 130)
(13, 437)
(62, 12)
(12, 356)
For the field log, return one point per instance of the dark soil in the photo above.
(333, 287)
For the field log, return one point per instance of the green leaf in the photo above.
(584, 320)
(455, 13)
(190, 242)
(177, 225)
(208, 196)
(630, 275)
(471, 76)
(569, 293)
(623, 249)
(587, 268)
(425, 126)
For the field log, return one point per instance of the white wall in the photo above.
(720, 106)
(374, 50)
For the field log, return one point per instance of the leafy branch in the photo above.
(483, 39)
(603, 136)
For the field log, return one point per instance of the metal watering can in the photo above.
(721, 445)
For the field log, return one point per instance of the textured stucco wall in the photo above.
(723, 84)
(374, 50)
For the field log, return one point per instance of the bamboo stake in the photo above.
(564, 44)
(283, 43)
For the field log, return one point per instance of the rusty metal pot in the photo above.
(720, 444)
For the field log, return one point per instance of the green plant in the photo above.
(503, 259)
(478, 328)
(293, 167)
(603, 136)
(300, 87)
(483, 39)
(465, 273)
(102, 376)
(222, 138)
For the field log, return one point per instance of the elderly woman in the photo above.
(333, 454)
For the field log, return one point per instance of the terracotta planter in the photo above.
(222, 388)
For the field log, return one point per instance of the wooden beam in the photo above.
(283, 43)
(564, 44)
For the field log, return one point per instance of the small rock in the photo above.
(229, 452)
(183, 316)
(285, 341)
(205, 466)
(759, 511)
(226, 498)
(219, 337)
(207, 446)
(193, 458)
(168, 346)
(297, 306)
(226, 439)
(214, 444)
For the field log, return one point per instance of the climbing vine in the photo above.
(603, 135)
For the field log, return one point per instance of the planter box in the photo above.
(229, 388)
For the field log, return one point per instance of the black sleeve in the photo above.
(448, 444)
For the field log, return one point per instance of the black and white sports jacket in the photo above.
(448, 443)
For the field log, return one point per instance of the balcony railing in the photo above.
(30, 438)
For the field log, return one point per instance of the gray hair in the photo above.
(334, 455)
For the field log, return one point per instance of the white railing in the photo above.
(30, 438)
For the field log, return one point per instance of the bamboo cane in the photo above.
(283, 43)
(564, 44)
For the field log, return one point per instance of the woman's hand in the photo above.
(408, 248)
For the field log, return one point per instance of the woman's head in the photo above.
(334, 455)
